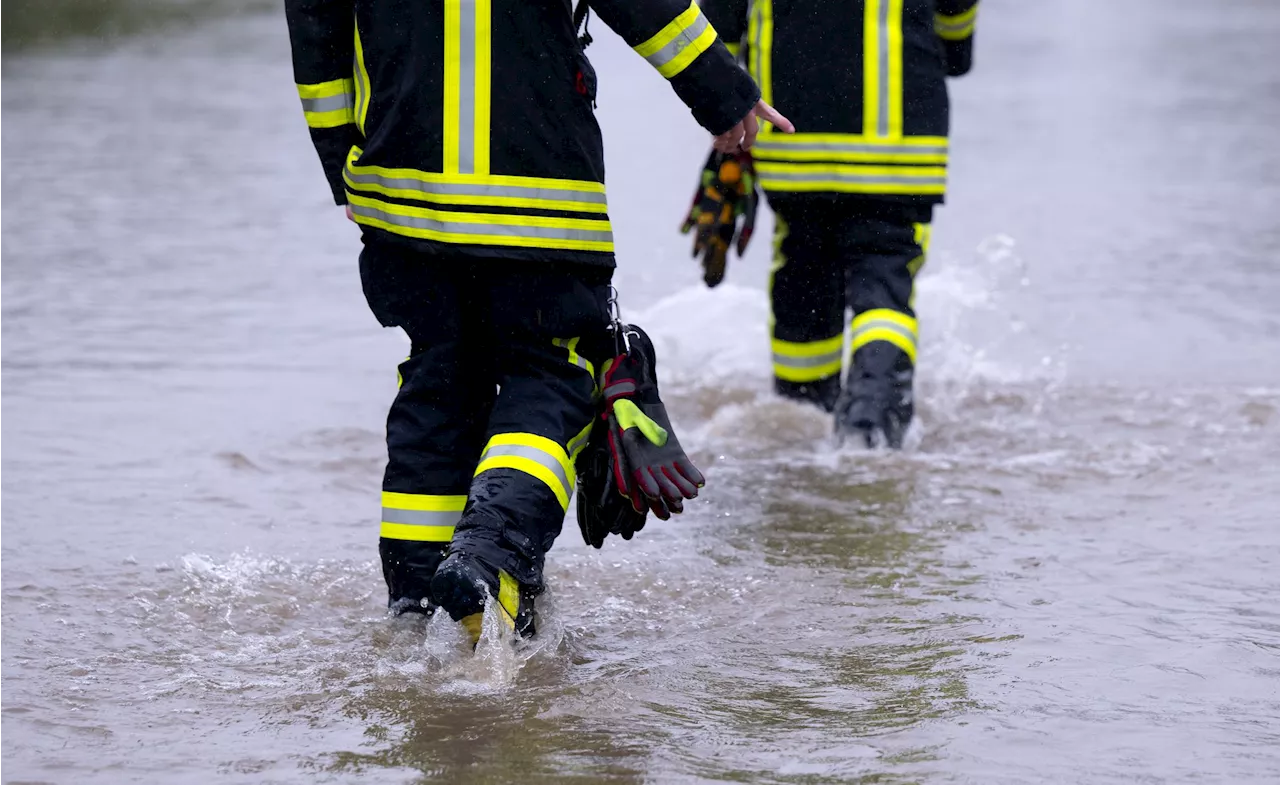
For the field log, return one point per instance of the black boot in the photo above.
(464, 585)
(407, 566)
(823, 393)
(878, 401)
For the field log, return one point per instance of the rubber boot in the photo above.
(878, 402)
(408, 567)
(823, 393)
(464, 585)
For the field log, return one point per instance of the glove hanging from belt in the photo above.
(633, 463)
(726, 194)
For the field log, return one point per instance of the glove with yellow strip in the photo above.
(727, 193)
(650, 467)
(603, 508)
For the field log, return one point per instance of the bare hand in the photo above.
(743, 135)
(350, 215)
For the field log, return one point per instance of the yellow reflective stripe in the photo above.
(734, 49)
(760, 51)
(807, 361)
(400, 531)
(327, 104)
(957, 27)
(679, 43)
(528, 231)
(534, 455)
(483, 80)
(571, 346)
(452, 87)
(808, 348)
(508, 598)
(420, 517)
(497, 180)
(361, 84)
(324, 89)
(690, 53)
(893, 79)
(872, 49)
(851, 148)
(882, 324)
(885, 334)
(579, 442)
(852, 178)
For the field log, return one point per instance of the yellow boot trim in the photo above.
(473, 625)
(508, 598)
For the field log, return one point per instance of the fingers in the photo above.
(774, 116)
(727, 142)
(751, 128)
(689, 472)
(682, 484)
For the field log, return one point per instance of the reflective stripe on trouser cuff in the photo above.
(328, 104)
(536, 456)
(809, 361)
(419, 516)
(958, 27)
(882, 324)
(528, 231)
(679, 43)
(852, 178)
(850, 147)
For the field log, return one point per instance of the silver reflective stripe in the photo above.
(502, 230)
(882, 89)
(837, 177)
(570, 346)
(578, 442)
(467, 89)
(533, 454)
(619, 388)
(458, 189)
(421, 517)
(902, 330)
(850, 147)
(815, 361)
(329, 104)
(678, 44)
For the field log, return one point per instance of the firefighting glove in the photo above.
(602, 507)
(650, 466)
(726, 194)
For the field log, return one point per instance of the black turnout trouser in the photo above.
(496, 399)
(833, 253)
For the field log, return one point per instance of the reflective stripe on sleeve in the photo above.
(675, 46)
(537, 456)
(957, 27)
(328, 104)
(420, 517)
(807, 361)
(882, 324)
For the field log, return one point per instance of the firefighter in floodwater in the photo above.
(461, 136)
(853, 192)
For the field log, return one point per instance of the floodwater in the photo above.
(1072, 574)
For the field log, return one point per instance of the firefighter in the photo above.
(461, 137)
(853, 192)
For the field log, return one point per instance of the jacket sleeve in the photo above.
(954, 23)
(675, 37)
(322, 37)
(729, 18)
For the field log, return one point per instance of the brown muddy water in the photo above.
(1070, 576)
